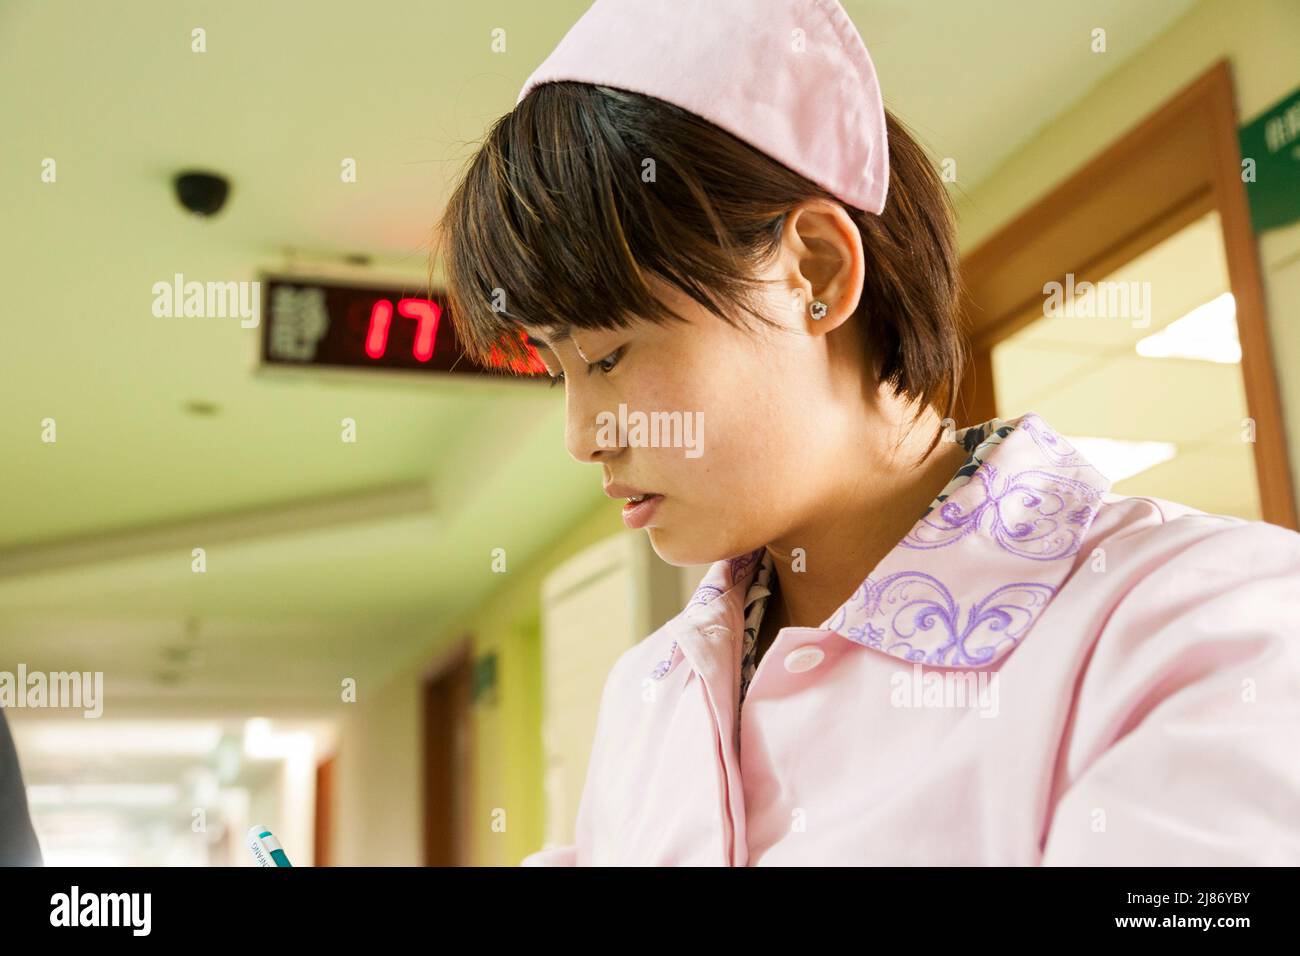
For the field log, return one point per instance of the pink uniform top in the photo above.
(1040, 672)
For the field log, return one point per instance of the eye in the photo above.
(607, 364)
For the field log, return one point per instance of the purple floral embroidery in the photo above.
(704, 594)
(740, 565)
(920, 620)
(1034, 514)
(664, 666)
(1057, 450)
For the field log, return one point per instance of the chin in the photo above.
(672, 549)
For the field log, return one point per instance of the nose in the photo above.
(584, 437)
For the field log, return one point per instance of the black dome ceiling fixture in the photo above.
(202, 193)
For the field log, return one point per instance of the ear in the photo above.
(826, 266)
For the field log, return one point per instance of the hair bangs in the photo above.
(555, 225)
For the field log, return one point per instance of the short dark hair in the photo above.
(554, 225)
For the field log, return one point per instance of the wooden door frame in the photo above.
(446, 700)
(1169, 170)
(324, 825)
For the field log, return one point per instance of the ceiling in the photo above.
(95, 528)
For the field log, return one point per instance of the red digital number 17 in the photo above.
(424, 312)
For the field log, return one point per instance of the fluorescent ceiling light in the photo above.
(1117, 459)
(1207, 333)
(121, 738)
(104, 794)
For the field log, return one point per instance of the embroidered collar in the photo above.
(974, 574)
(979, 442)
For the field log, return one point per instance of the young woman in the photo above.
(916, 644)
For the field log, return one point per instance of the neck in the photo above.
(869, 511)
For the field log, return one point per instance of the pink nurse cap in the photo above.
(790, 77)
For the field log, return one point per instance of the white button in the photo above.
(804, 658)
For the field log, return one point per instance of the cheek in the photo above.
(753, 436)
(752, 476)
(758, 423)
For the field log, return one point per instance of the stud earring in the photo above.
(819, 309)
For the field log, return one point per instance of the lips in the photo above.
(638, 499)
(627, 491)
(637, 513)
